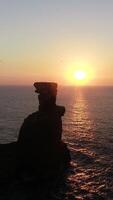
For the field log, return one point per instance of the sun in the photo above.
(80, 75)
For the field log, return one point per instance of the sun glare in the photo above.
(80, 75)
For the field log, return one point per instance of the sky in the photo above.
(49, 40)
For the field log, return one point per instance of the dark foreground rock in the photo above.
(18, 182)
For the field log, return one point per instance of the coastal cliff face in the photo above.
(20, 183)
(8, 155)
(12, 166)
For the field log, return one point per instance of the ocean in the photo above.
(87, 130)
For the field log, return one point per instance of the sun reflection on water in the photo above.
(80, 122)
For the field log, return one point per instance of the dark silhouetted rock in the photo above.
(39, 148)
(39, 142)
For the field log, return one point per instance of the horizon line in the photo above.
(61, 85)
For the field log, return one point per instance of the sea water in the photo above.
(87, 130)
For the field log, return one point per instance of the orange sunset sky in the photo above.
(49, 40)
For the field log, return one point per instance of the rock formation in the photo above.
(39, 148)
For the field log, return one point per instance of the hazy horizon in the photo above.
(59, 85)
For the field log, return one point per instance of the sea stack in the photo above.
(40, 137)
